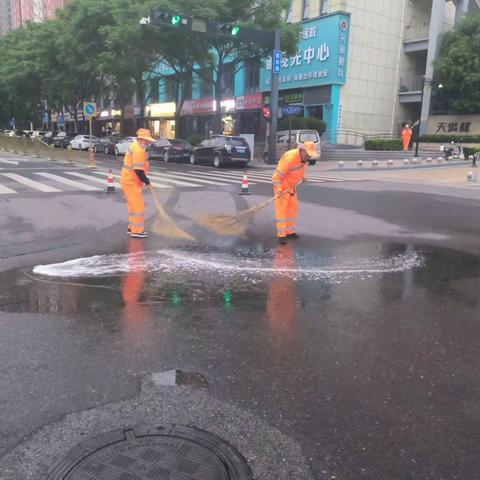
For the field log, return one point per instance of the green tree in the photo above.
(266, 15)
(458, 66)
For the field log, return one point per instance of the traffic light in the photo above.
(230, 29)
(266, 113)
(158, 17)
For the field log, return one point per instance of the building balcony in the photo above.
(410, 90)
(416, 37)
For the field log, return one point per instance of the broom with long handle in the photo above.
(164, 225)
(235, 224)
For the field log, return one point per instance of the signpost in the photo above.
(90, 111)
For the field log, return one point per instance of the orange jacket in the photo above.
(290, 171)
(136, 158)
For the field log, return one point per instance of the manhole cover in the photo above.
(174, 453)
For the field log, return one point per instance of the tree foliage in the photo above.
(97, 49)
(458, 66)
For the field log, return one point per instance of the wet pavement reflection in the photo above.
(370, 358)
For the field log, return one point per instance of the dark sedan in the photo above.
(172, 150)
(106, 144)
(221, 150)
(62, 140)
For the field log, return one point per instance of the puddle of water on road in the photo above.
(105, 285)
(282, 261)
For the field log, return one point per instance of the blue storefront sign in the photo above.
(321, 58)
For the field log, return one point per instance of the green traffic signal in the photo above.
(176, 19)
(235, 30)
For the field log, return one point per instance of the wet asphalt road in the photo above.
(369, 360)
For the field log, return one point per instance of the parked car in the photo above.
(297, 137)
(221, 150)
(49, 136)
(172, 150)
(122, 146)
(9, 133)
(106, 144)
(82, 142)
(63, 139)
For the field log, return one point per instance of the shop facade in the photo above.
(314, 76)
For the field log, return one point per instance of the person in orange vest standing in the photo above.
(290, 171)
(134, 176)
(406, 137)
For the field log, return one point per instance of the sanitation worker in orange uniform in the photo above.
(133, 178)
(406, 137)
(290, 171)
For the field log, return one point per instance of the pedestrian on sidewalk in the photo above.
(133, 178)
(407, 133)
(291, 170)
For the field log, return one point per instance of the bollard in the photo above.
(439, 159)
(475, 158)
(360, 163)
(50, 154)
(70, 155)
(471, 177)
(429, 160)
(406, 161)
(390, 163)
(415, 160)
(375, 163)
(91, 159)
(341, 163)
(449, 159)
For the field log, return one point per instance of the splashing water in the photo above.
(229, 265)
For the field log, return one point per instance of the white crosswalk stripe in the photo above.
(41, 187)
(8, 162)
(161, 178)
(193, 177)
(155, 184)
(67, 181)
(91, 179)
(5, 190)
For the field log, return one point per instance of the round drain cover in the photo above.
(174, 453)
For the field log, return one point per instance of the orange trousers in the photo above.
(286, 210)
(136, 207)
(406, 141)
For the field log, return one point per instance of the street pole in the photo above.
(420, 120)
(272, 143)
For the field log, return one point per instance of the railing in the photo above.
(358, 139)
(419, 31)
(410, 85)
(35, 147)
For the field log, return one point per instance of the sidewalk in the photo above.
(455, 176)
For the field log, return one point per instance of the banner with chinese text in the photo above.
(321, 58)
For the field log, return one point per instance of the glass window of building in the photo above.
(306, 9)
(154, 89)
(227, 82)
(288, 16)
(187, 86)
(324, 9)
(170, 89)
(252, 76)
(205, 82)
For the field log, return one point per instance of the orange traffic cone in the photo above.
(110, 183)
(244, 190)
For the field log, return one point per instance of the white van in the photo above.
(297, 137)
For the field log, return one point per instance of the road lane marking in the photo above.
(156, 185)
(194, 178)
(9, 162)
(67, 181)
(227, 177)
(31, 183)
(5, 190)
(91, 179)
